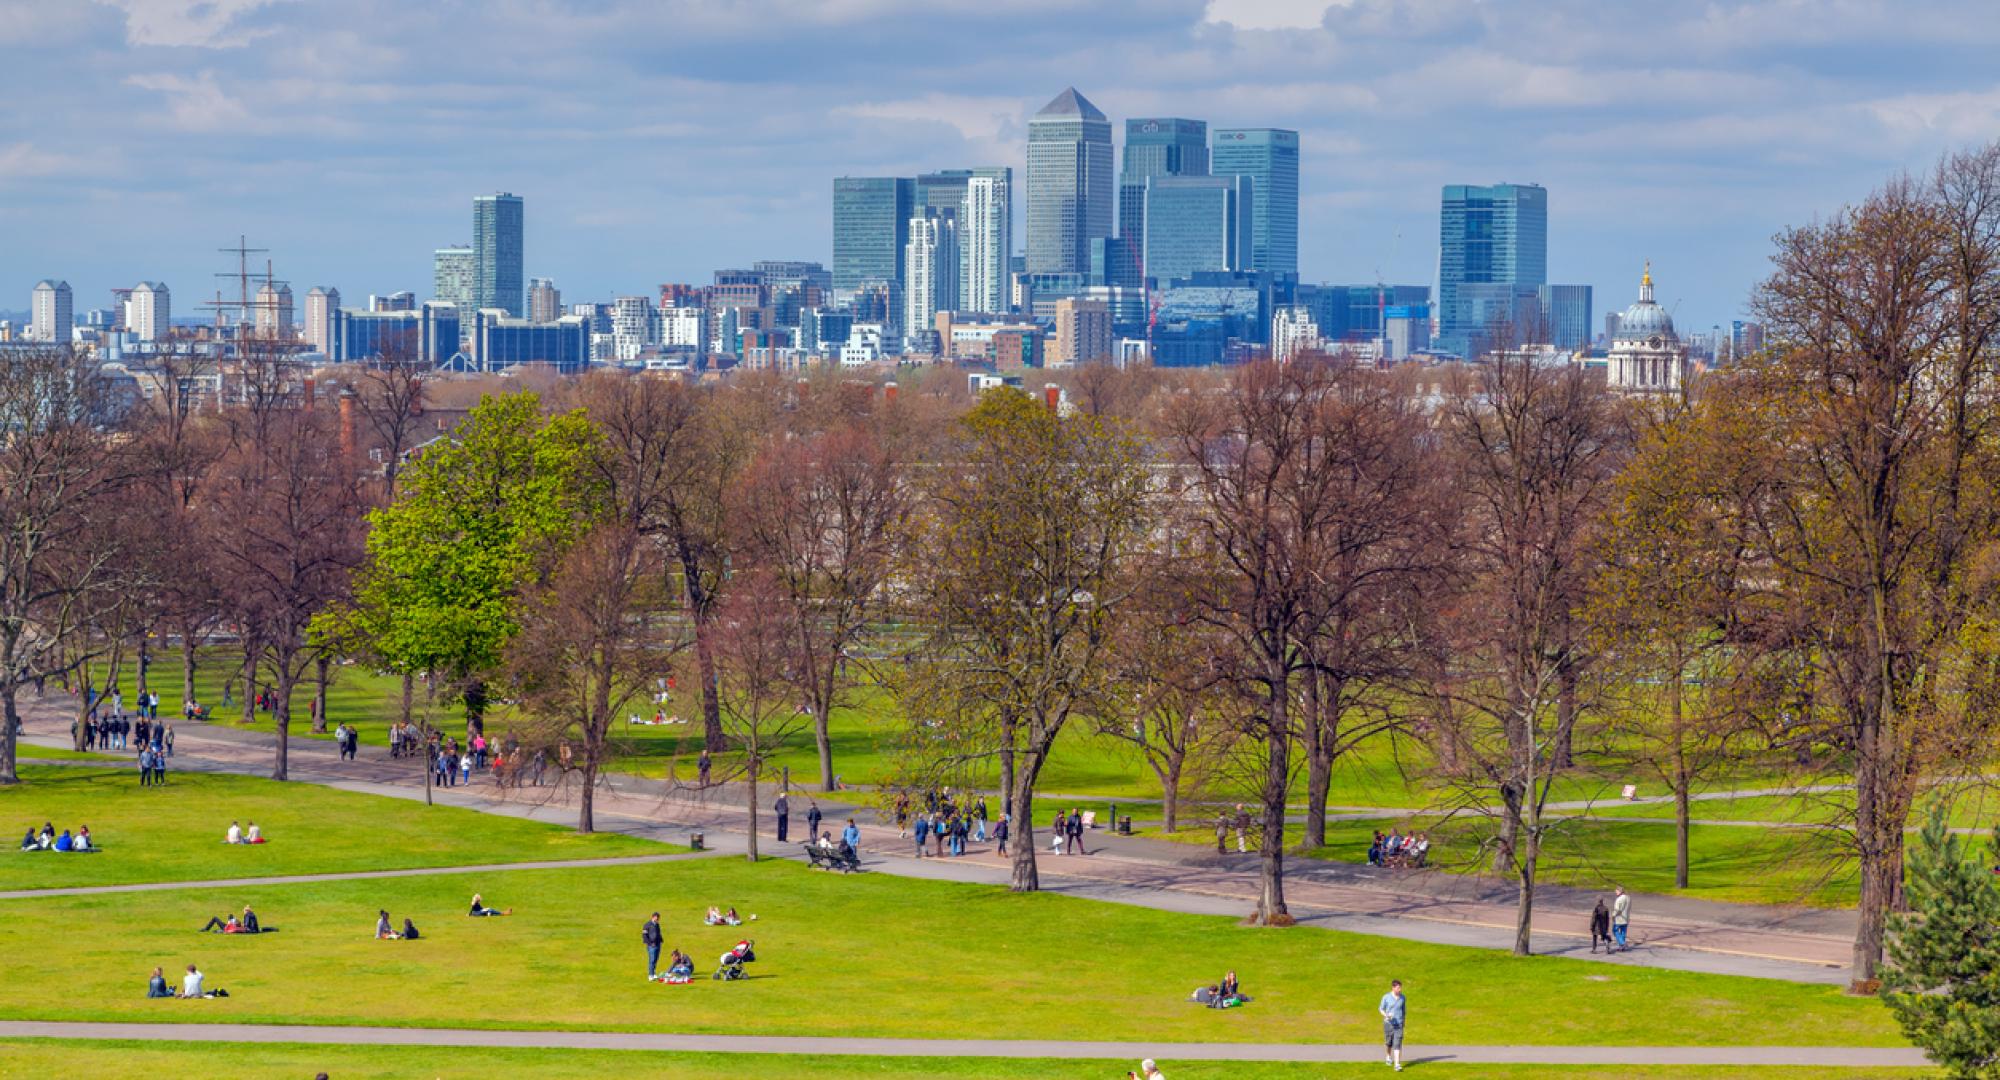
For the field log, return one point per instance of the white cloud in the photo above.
(1268, 14)
(207, 24)
(196, 104)
(25, 160)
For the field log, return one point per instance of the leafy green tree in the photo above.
(1942, 977)
(476, 518)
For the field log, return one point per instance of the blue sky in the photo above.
(656, 141)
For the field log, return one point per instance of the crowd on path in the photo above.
(947, 822)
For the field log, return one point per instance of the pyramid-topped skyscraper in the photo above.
(1071, 186)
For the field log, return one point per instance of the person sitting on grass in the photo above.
(410, 931)
(1147, 1071)
(253, 835)
(716, 917)
(1230, 987)
(29, 842)
(156, 987)
(191, 983)
(82, 840)
(249, 921)
(234, 835)
(218, 925)
(384, 929)
(48, 838)
(65, 842)
(480, 910)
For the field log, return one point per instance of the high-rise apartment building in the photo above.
(633, 326)
(982, 200)
(1159, 146)
(930, 269)
(871, 225)
(273, 317)
(1196, 223)
(1270, 158)
(1083, 331)
(321, 302)
(498, 253)
(1493, 258)
(1070, 184)
(52, 318)
(454, 270)
(150, 313)
(544, 300)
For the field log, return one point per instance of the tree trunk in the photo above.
(1170, 791)
(475, 708)
(249, 682)
(145, 661)
(10, 719)
(750, 776)
(822, 715)
(586, 819)
(319, 694)
(1271, 909)
(409, 694)
(1021, 812)
(1510, 826)
(281, 716)
(1524, 912)
(711, 703)
(187, 670)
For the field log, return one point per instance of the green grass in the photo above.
(29, 751)
(867, 955)
(1746, 864)
(148, 1060)
(174, 833)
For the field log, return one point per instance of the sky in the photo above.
(659, 140)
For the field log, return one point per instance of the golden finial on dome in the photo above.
(1647, 277)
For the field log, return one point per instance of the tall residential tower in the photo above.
(497, 253)
(53, 316)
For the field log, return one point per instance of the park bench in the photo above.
(821, 859)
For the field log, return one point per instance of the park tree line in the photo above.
(1528, 583)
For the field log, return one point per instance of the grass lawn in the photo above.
(26, 751)
(1736, 863)
(866, 955)
(174, 833)
(134, 1060)
(147, 1060)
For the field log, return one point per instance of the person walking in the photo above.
(1000, 833)
(1076, 833)
(1393, 1009)
(1600, 927)
(1621, 917)
(701, 766)
(921, 827)
(979, 821)
(146, 768)
(813, 818)
(1222, 834)
(783, 808)
(851, 836)
(1242, 829)
(650, 934)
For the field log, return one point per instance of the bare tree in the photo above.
(756, 649)
(1532, 450)
(821, 516)
(59, 482)
(285, 523)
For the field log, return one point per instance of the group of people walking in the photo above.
(944, 823)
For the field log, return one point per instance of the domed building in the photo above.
(1646, 355)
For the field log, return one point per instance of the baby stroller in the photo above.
(731, 966)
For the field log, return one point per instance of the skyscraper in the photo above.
(1566, 315)
(53, 317)
(1493, 257)
(544, 301)
(1196, 223)
(1270, 158)
(1069, 184)
(1164, 146)
(982, 200)
(930, 269)
(321, 303)
(454, 276)
(497, 254)
(871, 224)
(274, 310)
(151, 311)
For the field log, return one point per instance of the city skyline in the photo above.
(1736, 123)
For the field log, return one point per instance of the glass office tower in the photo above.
(497, 253)
(1270, 158)
(1493, 256)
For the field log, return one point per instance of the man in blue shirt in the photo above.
(1392, 1009)
(851, 836)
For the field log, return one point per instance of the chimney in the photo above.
(309, 393)
(1052, 394)
(889, 393)
(346, 420)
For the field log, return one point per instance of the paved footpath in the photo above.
(1810, 1056)
(1803, 945)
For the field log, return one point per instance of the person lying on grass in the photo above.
(218, 925)
(480, 910)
